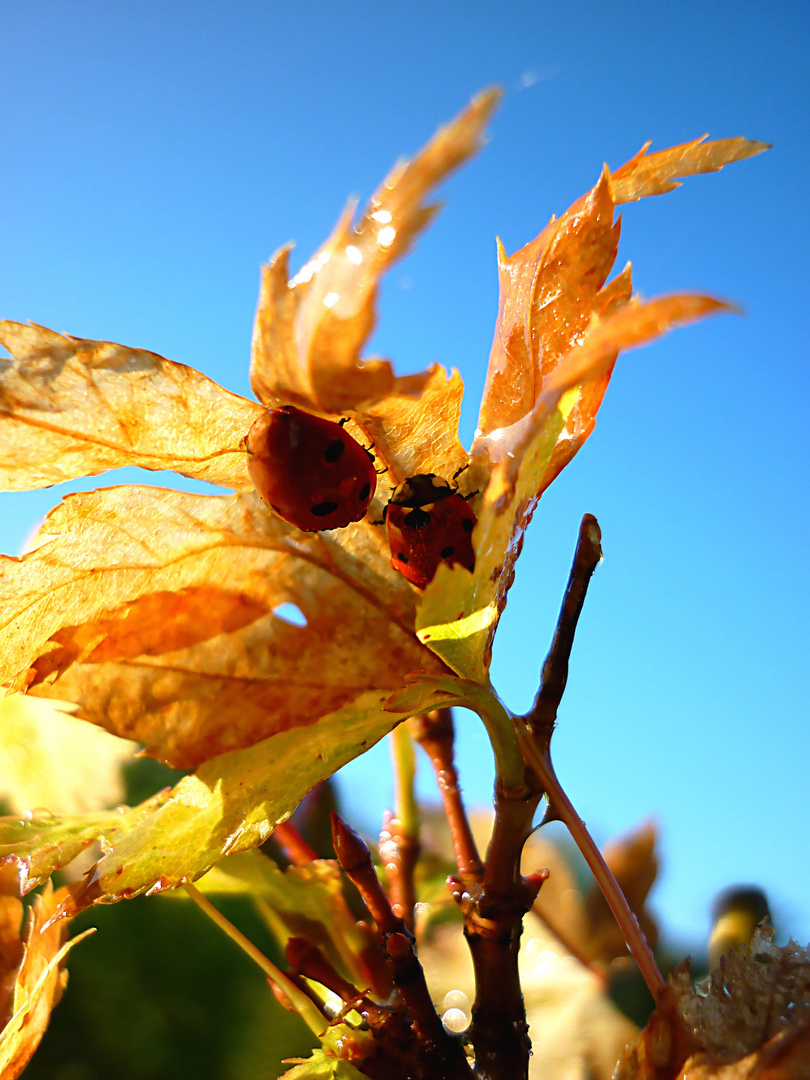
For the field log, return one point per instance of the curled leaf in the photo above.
(459, 612)
(36, 983)
(309, 331)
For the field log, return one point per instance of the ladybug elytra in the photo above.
(428, 522)
(308, 470)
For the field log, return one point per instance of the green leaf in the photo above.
(44, 842)
(322, 1066)
(233, 802)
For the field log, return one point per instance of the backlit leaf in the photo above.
(654, 174)
(71, 407)
(309, 331)
(231, 803)
(51, 759)
(41, 843)
(153, 610)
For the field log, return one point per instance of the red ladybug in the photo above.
(428, 522)
(308, 470)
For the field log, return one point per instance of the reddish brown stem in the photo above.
(399, 851)
(542, 716)
(294, 846)
(434, 733)
(493, 923)
(307, 959)
(439, 1055)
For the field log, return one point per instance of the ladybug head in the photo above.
(421, 490)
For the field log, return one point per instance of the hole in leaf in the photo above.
(290, 613)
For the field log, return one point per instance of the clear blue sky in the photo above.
(154, 155)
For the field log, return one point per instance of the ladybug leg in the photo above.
(458, 472)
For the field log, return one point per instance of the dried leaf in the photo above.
(753, 1012)
(153, 610)
(52, 760)
(309, 332)
(71, 407)
(654, 174)
(231, 803)
(37, 985)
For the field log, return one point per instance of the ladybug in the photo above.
(308, 470)
(427, 522)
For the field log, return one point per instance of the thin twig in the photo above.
(399, 840)
(434, 733)
(543, 713)
(304, 1005)
(540, 760)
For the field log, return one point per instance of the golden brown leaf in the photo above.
(548, 293)
(654, 174)
(71, 407)
(153, 610)
(309, 331)
(33, 982)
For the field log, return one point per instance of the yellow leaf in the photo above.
(52, 760)
(71, 407)
(154, 611)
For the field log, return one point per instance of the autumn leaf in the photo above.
(309, 331)
(71, 407)
(164, 617)
(749, 1019)
(41, 842)
(154, 611)
(31, 973)
(52, 759)
(231, 803)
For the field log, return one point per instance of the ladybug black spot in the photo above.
(446, 552)
(401, 557)
(334, 450)
(417, 518)
(324, 509)
(468, 525)
(365, 491)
